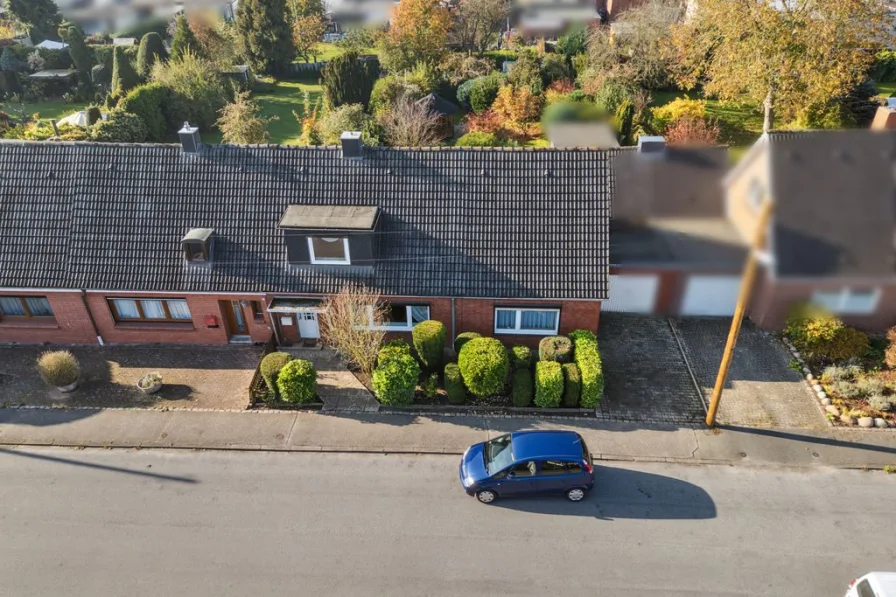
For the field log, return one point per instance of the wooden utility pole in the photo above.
(746, 285)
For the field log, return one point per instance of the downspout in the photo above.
(453, 330)
(96, 330)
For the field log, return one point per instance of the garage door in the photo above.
(711, 295)
(632, 294)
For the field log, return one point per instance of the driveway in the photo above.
(647, 380)
(761, 390)
(194, 377)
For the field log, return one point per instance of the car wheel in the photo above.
(485, 496)
(575, 494)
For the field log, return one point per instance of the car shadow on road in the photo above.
(621, 493)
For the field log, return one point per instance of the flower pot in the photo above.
(152, 389)
(150, 383)
(69, 388)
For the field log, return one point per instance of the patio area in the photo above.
(194, 377)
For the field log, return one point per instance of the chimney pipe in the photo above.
(352, 146)
(651, 145)
(189, 138)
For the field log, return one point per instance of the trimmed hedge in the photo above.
(548, 384)
(587, 359)
(484, 366)
(297, 382)
(522, 388)
(395, 378)
(429, 341)
(393, 348)
(270, 366)
(463, 339)
(520, 357)
(555, 348)
(454, 384)
(572, 385)
(147, 103)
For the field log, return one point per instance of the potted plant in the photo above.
(59, 368)
(150, 383)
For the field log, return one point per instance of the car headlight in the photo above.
(468, 481)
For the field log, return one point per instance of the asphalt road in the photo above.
(110, 523)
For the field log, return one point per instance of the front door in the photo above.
(234, 318)
(308, 328)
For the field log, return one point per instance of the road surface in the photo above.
(110, 523)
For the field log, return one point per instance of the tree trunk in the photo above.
(768, 104)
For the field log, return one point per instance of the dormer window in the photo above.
(198, 246)
(329, 249)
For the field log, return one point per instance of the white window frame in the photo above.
(409, 322)
(518, 329)
(325, 261)
(843, 296)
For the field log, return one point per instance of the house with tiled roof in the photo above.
(206, 244)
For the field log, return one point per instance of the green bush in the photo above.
(429, 342)
(94, 115)
(555, 348)
(587, 359)
(463, 338)
(479, 139)
(147, 102)
(522, 388)
(58, 368)
(500, 56)
(527, 72)
(823, 338)
(151, 50)
(124, 77)
(611, 95)
(454, 384)
(484, 366)
(484, 90)
(520, 357)
(297, 382)
(120, 127)
(548, 384)
(393, 348)
(395, 378)
(270, 366)
(572, 385)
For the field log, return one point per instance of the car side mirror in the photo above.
(510, 475)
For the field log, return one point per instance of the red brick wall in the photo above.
(71, 325)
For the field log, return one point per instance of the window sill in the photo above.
(29, 323)
(161, 326)
(526, 332)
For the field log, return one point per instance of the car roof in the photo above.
(883, 583)
(546, 444)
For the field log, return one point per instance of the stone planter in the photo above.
(150, 383)
(69, 388)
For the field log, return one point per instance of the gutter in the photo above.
(96, 330)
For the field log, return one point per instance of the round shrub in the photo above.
(522, 388)
(555, 348)
(520, 357)
(271, 365)
(572, 385)
(297, 382)
(463, 339)
(393, 348)
(454, 384)
(463, 93)
(484, 90)
(58, 368)
(147, 103)
(395, 378)
(429, 341)
(548, 384)
(484, 366)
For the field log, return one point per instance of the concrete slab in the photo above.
(219, 430)
(82, 427)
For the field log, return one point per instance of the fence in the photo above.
(257, 387)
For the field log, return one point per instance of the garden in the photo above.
(853, 375)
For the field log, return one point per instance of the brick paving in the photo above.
(337, 387)
(761, 390)
(647, 379)
(194, 377)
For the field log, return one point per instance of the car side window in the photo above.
(864, 589)
(552, 467)
(524, 469)
(573, 468)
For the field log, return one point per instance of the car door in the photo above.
(520, 479)
(555, 476)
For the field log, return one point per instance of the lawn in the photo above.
(741, 123)
(280, 103)
(886, 88)
(50, 109)
(328, 51)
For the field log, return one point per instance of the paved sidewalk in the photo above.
(303, 431)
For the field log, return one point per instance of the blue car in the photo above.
(526, 463)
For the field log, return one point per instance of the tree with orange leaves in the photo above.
(418, 32)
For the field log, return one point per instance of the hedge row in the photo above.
(587, 358)
(429, 342)
(548, 384)
(396, 374)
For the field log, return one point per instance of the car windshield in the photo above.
(497, 454)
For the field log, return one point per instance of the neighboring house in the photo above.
(832, 232)
(214, 244)
(672, 249)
